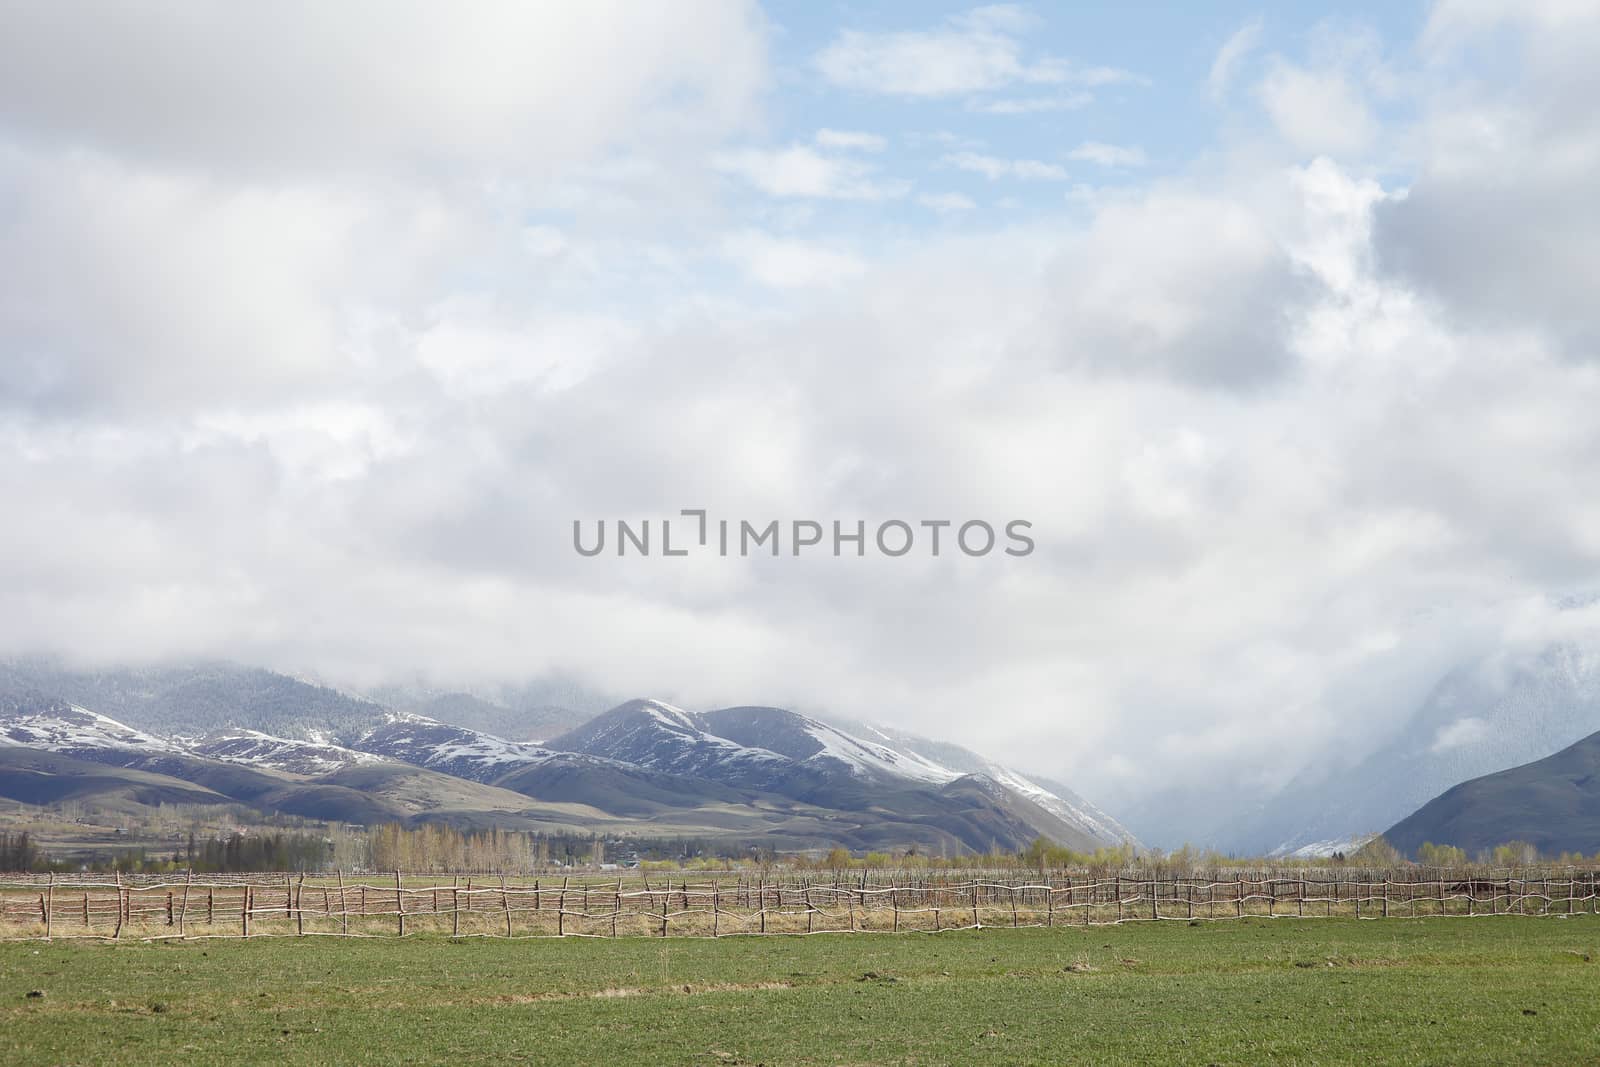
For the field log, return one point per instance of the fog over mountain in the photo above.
(320, 326)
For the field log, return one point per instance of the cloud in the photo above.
(848, 139)
(1031, 105)
(1108, 155)
(993, 167)
(1241, 43)
(979, 51)
(1325, 105)
(946, 203)
(313, 88)
(801, 171)
(1464, 731)
(789, 263)
(1187, 283)
(1500, 222)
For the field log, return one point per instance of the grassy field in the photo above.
(1490, 990)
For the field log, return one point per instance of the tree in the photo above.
(1432, 855)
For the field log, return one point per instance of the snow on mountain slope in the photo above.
(814, 743)
(62, 727)
(257, 749)
(451, 749)
(782, 750)
(1056, 799)
(661, 737)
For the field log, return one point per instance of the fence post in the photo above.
(344, 904)
(244, 910)
(300, 905)
(118, 932)
(505, 903)
(399, 905)
(455, 905)
(561, 909)
(49, 904)
(183, 909)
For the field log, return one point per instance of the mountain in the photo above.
(48, 777)
(256, 749)
(1552, 803)
(1502, 710)
(446, 748)
(756, 775)
(539, 708)
(658, 736)
(1053, 797)
(39, 721)
(793, 755)
(197, 699)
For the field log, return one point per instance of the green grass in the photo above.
(1491, 990)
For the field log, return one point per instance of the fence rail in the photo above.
(398, 905)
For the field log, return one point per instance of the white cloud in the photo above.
(1317, 111)
(1244, 40)
(993, 167)
(980, 51)
(1500, 221)
(946, 203)
(1461, 732)
(318, 88)
(1325, 105)
(801, 171)
(790, 264)
(847, 139)
(1031, 105)
(1108, 155)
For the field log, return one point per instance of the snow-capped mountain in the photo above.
(752, 774)
(58, 726)
(797, 755)
(660, 737)
(257, 749)
(195, 699)
(813, 743)
(440, 746)
(757, 747)
(954, 760)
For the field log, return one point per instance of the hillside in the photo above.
(1552, 803)
(196, 699)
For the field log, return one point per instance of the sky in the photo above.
(320, 325)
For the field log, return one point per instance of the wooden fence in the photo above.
(396, 905)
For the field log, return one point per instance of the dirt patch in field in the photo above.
(690, 989)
